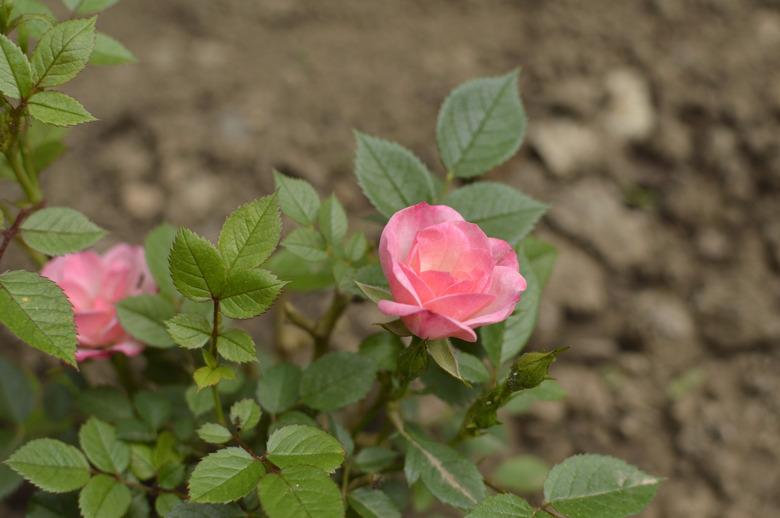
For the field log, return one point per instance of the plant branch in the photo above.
(215, 325)
(321, 330)
(549, 509)
(12, 231)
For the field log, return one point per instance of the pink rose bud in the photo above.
(446, 276)
(94, 284)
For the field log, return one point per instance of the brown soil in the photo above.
(654, 134)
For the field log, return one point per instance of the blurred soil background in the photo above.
(654, 134)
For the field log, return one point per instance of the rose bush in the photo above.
(93, 285)
(446, 276)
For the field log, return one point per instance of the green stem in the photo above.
(324, 328)
(30, 188)
(216, 323)
(218, 407)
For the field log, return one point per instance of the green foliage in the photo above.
(104, 451)
(505, 506)
(104, 497)
(300, 445)
(374, 459)
(336, 380)
(481, 124)
(249, 293)
(391, 177)
(236, 345)
(189, 331)
(509, 215)
(297, 198)
(245, 414)
(372, 503)
(208, 375)
(442, 353)
(37, 311)
(109, 51)
(106, 403)
(88, 6)
(59, 231)
(58, 109)
(250, 234)
(15, 72)
(51, 465)
(152, 409)
(214, 433)
(300, 491)
(333, 221)
(383, 349)
(157, 247)
(224, 476)
(17, 395)
(279, 387)
(531, 369)
(197, 269)
(63, 52)
(306, 243)
(144, 316)
(523, 473)
(190, 510)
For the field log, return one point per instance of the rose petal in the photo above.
(432, 326)
(128, 348)
(396, 309)
(461, 306)
(90, 354)
(507, 285)
(503, 253)
(84, 269)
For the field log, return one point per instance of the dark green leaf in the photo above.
(189, 331)
(17, 395)
(152, 408)
(144, 316)
(15, 72)
(249, 293)
(104, 451)
(298, 445)
(245, 414)
(336, 380)
(104, 497)
(51, 465)
(297, 198)
(106, 403)
(278, 388)
(384, 349)
(59, 231)
(505, 506)
(224, 476)
(197, 269)
(374, 459)
(372, 503)
(300, 491)
(333, 221)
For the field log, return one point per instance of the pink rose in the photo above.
(446, 276)
(93, 284)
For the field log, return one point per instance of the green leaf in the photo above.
(15, 72)
(88, 6)
(165, 503)
(290, 418)
(306, 243)
(384, 349)
(279, 387)
(524, 473)
(355, 247)
(336, 380)
(548, 390)
(191, 510)
(374, 459)
(37, 311)
(250, 234)
(152, 408)
(391, 176)
(481, 125)
(245, 414)
(144, 316)
(298, 445)
(17, 394)
(36, 25)
(109, 51)
(472, 369)
(442, 354)
(374, 293)
(214, 433)
(106, 403)
(224, 476)
(501, 211)
(249, 293)
(342, 434)
(157, 248)
(372, 503)
(134, 430)
(104, 497)
(208, 376)
(189, 331)
(50, 465)
(197, 269)
(505, 506)
(9, 481)
(542, 256)
(237, 346)
(300, 491)
(198, 401)
(302, 275)
(58, 109)
(451, 478)
(59, 231)
(141, 465)
(297, 198)
(104, 451)
(584, 486)
(333, 221)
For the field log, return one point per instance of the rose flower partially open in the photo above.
(446, 276)
(94, 284)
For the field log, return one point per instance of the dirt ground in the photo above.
(654, 133)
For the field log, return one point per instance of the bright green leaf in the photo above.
(37, 311)
(51, 465)
(141, 465)
(333, 221)
(189, 331)
(208, 376)
(157, 248)
(197, 269)
(505, 506)
(442, 353)
(144, 316)
(471, 368)
(336, 380)
(104, 451)
(214, 433)
(15, 72)
(104, 497)
(109, 51)
(237, 346)
(279, 387)
(165, 503)
(304, 445)
(59, 231)
(584, 486)
(250, 234)
(500, 210)
(391, 176)
(245, 414)
(300, 491)
(249, 293)
(297, 198)
(224, 476)
(88, 6)
(306, 243)
(372, 503)
(58, 109)
(481, 125)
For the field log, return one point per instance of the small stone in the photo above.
(127, 156)
(578, 283)
(142, 200)
(565, 146)
(198, 195)
(630, 114)
(713, 244)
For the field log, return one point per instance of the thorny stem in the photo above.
(216, 322)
